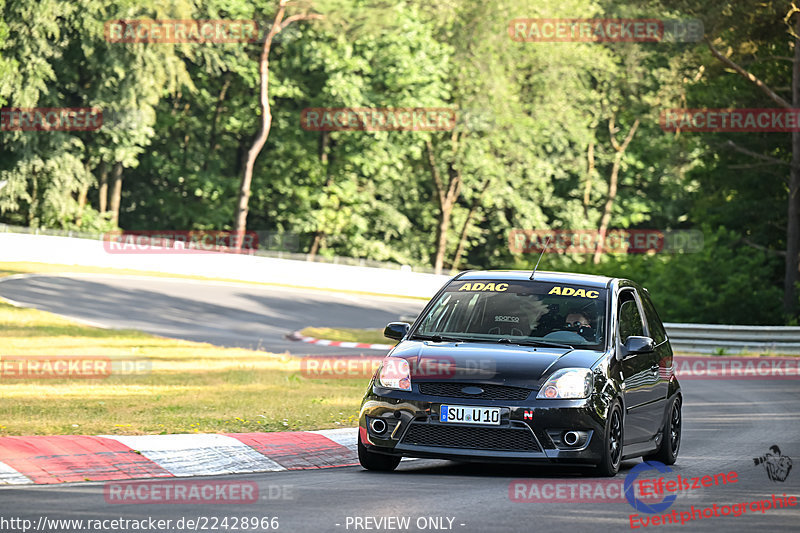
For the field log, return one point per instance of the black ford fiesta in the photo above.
(561, 369)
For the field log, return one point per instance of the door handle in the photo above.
(654, 369)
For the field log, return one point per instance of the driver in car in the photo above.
(576, 321)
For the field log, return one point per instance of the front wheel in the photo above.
(375, 461)
(670, 436)
(612, 442)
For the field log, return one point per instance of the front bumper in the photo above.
(530, 430)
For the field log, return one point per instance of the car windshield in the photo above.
(518, 312)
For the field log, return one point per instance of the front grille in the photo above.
(476, 438)
(490, 392)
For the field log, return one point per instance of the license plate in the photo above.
(468, 414)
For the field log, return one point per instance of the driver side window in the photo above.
(630, 320)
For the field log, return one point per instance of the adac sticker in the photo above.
(484, 287)
(569, 291)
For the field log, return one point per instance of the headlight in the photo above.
(567, 383)
(395, 374)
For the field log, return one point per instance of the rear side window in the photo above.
(654, 324)
(630, 321)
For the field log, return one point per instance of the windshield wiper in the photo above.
(436, 338)
(440, 338)
(536, 343)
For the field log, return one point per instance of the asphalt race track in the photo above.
(727, 423)
(226, 314)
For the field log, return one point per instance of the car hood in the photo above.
(490, 363)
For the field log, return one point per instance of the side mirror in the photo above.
(636, 344)
(396, 330)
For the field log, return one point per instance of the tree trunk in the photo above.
(84, 191)
(212, 138)
(185, 151)
(240, 223)
(612, 187)
(116, 193)
(103, 191)
(34, 208)
(587, 191)
(441, 237)
(793, 210)
(319, 236)
(462, 239)
(316, 243)
(447, 198)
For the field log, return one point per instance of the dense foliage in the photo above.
(541, 129)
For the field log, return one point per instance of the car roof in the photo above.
(541, 275)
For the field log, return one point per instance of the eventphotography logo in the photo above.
(777, 465)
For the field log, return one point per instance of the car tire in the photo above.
(376, 461)
(671, 436)
(612, 442)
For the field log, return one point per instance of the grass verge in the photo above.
(369, 336)
(191, 387)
